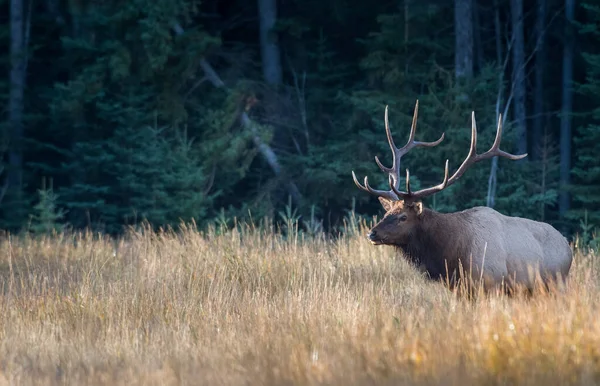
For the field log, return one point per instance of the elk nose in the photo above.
(371, 235)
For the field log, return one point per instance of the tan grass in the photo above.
(250, 308)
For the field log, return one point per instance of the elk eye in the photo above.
(402, 218)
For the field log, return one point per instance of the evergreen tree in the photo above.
(124, 84)
(122, 112)
(586, 171)
(47, 217)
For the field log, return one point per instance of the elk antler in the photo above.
(494, 151)
(394, 175)
(394, 172)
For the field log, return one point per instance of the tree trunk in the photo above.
(518, 62)
(265, 150)
(406, 21)
(272, 72)
(18, 62)
(502, 61)
(566, 109)
(53, 9)
(478, 44)
(538, 94)
(406, 34)
(269, 47)
(491, 193)
(463, 29)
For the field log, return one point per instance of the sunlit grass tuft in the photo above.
(252, 307)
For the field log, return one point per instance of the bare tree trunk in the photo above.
(498, 35)
(502, 60)
(491, 193)
(478, 44)
(269, 47)
(272, 72)
(463, 29)
(406, 21)
(406, 34)
(18, 65)
(518, 62)
(538, 95)
(545, 154)
(265, 150)
(566, 109)
(76, 9)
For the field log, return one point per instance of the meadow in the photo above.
(257, 306)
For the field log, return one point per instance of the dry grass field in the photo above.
(250, 307)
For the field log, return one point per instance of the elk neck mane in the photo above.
(439, 241)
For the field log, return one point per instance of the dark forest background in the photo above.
(168, 110)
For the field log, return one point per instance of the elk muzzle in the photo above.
(374, 238)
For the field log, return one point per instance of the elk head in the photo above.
(404, 210)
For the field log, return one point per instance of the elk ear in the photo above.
(417, 207)
(387, 204)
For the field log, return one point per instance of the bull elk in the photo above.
(504, 252)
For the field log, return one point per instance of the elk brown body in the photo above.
(503, 251)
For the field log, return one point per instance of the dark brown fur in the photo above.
(435, 249)
(434, 241)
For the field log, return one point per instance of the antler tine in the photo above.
(408, 192)
(411, 137)
(397, 153)
(495, 149)
(413, 125)
(411, 143)
(472, 156)
(367, 188)
(390, 139)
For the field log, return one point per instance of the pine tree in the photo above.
(47, 217)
